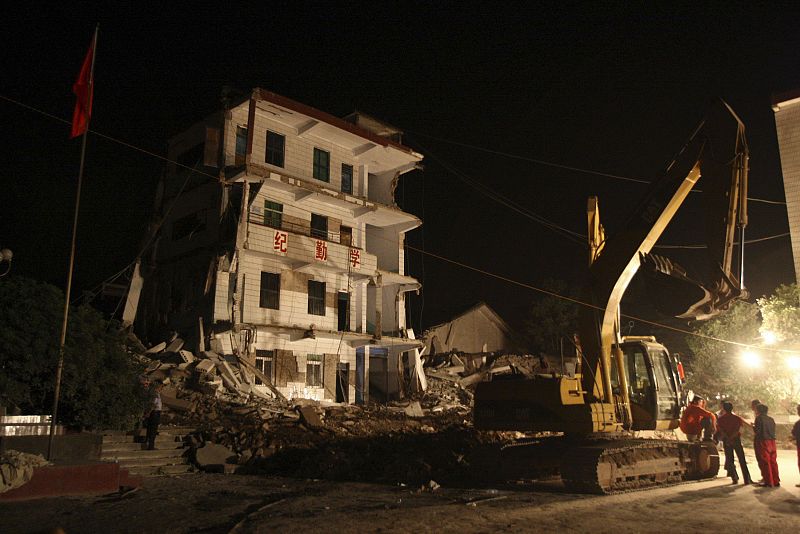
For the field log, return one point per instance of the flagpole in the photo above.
(60, 366)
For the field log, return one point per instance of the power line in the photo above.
(431, 254)
(566, 167)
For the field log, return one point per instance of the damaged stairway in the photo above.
(168, 458)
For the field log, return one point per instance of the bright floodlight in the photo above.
(770, 338)
(793, 361)
(751, 359)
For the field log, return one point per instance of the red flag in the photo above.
(83, 91)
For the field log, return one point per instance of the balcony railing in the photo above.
(333, 237)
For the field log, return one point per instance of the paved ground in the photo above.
(231, 503)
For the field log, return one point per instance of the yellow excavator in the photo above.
(621, 385)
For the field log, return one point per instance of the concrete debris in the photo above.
(310, 417)
(414, 409)
(175, 345)
(155, 349)
(187, 356)
(214, 457)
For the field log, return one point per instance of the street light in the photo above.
(751, 359)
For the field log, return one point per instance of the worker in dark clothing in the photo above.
(729, 427)
(153, 414)
(796, 438)
(764, 428)
(696, 420)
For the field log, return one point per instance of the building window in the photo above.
(347, 178)
(316, 297)
(241, 144)
(264, 363)
(314, 370)
(322, 165)
(273, 214)
(270, 295)
(319, 226)
(346, 235)
(275, 148)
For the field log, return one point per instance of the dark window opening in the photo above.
(322, 165)
(343, 311)
(270, 291)
(275, 148)
(316, 297)
(241, 144)
(319, 226)
(347, 178)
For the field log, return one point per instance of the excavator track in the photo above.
(607, 467)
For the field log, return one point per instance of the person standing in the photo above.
(153, 415)
(796, 438)
(764, 428)
(696, 420)
(729, 429)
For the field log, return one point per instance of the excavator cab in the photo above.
(655, 387)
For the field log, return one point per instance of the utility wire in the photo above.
(566, 167)
(431, 254)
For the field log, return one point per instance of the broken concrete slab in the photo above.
(155, 349)
(213, 457)
(414, 409)
(175, 345)
(205, 366)
(187, 356)
(310, 417)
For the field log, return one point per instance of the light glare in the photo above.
(793, 361)
(769, 337)
(751, 359)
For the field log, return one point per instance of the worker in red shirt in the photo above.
(729, 427)
(696, 420)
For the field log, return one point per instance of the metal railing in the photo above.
(270, 222)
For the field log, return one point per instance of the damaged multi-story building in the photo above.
(278, 240)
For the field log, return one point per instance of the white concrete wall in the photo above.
(787, 122)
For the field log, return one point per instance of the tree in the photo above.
(551, 319)
(99, 388)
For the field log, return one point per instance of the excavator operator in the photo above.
(696, 420)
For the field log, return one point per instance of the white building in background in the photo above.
(280, 241)
(787, 124)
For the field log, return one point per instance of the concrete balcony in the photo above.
(304, 252)
(363, 210)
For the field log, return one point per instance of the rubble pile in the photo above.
(241, 428)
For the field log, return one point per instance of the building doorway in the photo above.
(343, 382)
(343, 311)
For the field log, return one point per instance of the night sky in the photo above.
(592, 86)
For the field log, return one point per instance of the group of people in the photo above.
(698, 423)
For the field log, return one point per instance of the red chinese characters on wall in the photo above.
(280, 241)
(321, 250)
(355, 258)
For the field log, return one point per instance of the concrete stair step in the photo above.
(158, 453)
(161, 438)
(164, 470)
(132, 463)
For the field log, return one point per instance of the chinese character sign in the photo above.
(321, 250)
(355, 258)
(279, 242)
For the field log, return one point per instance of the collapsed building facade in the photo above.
(277, 239)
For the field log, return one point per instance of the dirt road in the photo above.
(232, 503)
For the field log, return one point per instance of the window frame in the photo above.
(270, 151)
(241, 139)
(316, 302)
(273, 214)
(314, 375)
(322, 171)
(319, 233)
(348, 190)
(263, 357)
(270, 297)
